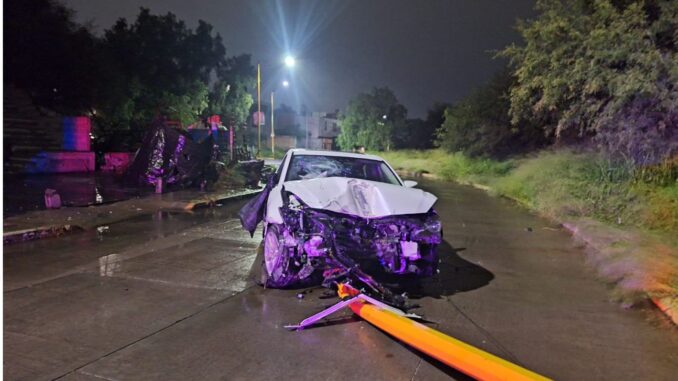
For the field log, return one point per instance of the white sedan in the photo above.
(331, 215)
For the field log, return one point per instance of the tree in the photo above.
(589, 66)
(424, 135)
(418, 133)
(373, 120)
(414, 135)
(480, 125)
(50, 55)
(155, 67)
(231, 94)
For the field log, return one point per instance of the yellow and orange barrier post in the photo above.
(448, 350)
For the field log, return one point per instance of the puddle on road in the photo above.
(109, 264)
(23, 193)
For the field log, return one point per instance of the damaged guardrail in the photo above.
(448, 350)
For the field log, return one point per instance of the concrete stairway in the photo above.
(27, 130)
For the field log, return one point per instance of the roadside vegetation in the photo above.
(629, 221)
(581, 126)
(560, 184)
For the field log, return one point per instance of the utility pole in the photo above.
(272, 126)
(306, 123)
(258, 108)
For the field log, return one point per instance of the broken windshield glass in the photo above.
(304, 167)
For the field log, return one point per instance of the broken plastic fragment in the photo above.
(410, 250)
(312, 247)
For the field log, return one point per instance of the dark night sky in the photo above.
(425, 51)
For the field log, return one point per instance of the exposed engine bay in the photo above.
(340, 245)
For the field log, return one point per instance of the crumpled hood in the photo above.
(363, 198)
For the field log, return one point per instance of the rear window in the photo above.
(304, 167)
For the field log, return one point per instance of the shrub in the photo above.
(479, 125)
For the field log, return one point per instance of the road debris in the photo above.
(448, 350)
(52, 199)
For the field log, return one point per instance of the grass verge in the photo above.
(266, 153)
(631, 223)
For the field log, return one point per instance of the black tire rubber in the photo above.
(280, 275)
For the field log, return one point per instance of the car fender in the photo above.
(273, 206)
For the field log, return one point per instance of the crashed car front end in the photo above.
(337, 243)
(331, 217)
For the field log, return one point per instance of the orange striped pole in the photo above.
(457, 354)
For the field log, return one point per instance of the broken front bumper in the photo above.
(395, 245)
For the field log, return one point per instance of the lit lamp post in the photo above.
(285, 84)
(272, 126)
(289, 62)
(258, 109)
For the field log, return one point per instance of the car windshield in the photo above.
(304, 167)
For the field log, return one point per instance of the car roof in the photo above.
(302, 151)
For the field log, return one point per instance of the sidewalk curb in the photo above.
(667, 305)
(196, 204)
(41, 232)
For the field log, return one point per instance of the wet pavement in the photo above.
(171, 296)
(24, 193)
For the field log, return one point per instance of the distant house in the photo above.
(320, 129)
(317, 130)
(287, 130)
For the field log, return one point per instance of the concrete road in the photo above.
(171, 297)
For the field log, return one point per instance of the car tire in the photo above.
(275, 264)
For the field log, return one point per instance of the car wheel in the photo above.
(275, 265)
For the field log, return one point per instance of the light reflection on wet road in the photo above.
(171, 296)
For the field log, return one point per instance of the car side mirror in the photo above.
(270, 179)
(409, 184)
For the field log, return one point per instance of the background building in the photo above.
(320, 130)
(317, 130)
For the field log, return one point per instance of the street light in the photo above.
(285, 84)
(290, 61)
(258, 109)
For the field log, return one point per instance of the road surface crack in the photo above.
(486, 333)
(416, 370)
